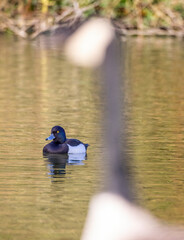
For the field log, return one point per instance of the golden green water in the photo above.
(156, 91)
(40, 89)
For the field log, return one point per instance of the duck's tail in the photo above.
(86, 145)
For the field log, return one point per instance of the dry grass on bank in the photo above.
(30, 17)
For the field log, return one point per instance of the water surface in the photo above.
(47, 198)
(156, 92)
(39, 89)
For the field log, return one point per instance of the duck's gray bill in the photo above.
(50, 137)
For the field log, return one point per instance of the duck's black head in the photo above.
(57, 134)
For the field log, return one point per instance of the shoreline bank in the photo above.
(31, 29)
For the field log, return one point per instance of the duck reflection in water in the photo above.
(57, 163)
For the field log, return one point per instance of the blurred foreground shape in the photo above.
(112, 214)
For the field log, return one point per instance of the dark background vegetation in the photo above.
(25, 17)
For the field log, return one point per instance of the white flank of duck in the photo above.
(77, 149)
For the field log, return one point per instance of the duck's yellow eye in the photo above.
(57, 131)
